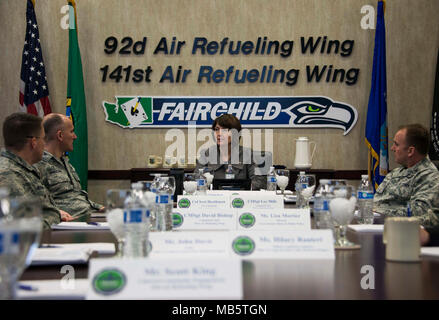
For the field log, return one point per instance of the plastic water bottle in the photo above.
(201, 182)
(271, 180)
(365, 201)
(164, 205)
(322, 216)
(136, 223)
(301, 183)
(229, 172)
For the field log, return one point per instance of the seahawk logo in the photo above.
(253, 112)
(322, 113)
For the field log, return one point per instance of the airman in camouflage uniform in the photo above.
(21, 179)
(415, 183)
(24, 140)
(58, 175)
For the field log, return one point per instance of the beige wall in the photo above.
(412, 34)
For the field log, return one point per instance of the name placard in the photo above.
(192, 202)
(204, 219)
(183, 244)
(260, 200)
(278, 219)
(157, 278)
(312, 244)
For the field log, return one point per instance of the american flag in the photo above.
(34, 91)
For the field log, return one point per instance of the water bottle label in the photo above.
(2, 245)
(14, 247)
(147, 214)
(325, 205)
(163, 199)
(363, 195)
(132, 216)
(304, 185)
(272, 179)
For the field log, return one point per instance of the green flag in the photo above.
(76, 108)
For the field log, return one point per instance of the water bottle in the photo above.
(164, 205)
(271, 180)
(201, 182)
(136, 223)
(301, 183)
(365, 201)
(229, 172)
(322, 216)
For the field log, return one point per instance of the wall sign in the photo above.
(253, 112)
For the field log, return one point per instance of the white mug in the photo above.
(401, 237)
(303, 159)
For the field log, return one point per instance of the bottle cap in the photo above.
(323, 181)
(365, 176)
(302, 173)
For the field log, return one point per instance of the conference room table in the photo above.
(354, 274)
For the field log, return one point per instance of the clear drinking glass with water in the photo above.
(21, 225)
(115, 203)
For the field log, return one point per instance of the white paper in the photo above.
(430, 251)
(184, 243)
(204, 219)
(74, 253)
(75, 289)
(277, 219)
(156, 279)
(367, 227)
(312, 244)
(81, 226)
(261, 200)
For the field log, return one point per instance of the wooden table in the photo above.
(299, 279)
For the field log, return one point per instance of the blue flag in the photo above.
(376, 124)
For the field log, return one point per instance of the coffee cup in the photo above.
(401, 237)
(169, 161)
(154, 161)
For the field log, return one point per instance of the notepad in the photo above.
(81, 226)
(367, 227)
(70, 253)
(430, 251)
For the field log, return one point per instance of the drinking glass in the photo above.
(342, 207)
(115, 204)
(209, 178)
(21, 225)
(189, 184)
(282, 178)
(308, 189)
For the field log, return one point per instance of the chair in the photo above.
(178, 174)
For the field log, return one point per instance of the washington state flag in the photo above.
(129, 112)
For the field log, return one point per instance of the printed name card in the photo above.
(280, 219)
(204, 219)
(183, 243)
(155, 279)
(259, 200)
(203, 202)
(312, 244)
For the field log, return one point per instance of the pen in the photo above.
(409, 210)
(93, 223)
(27, 287)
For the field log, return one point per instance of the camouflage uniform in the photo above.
(61, 179)
(417, 185)
(21, 179)
(240, 169)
